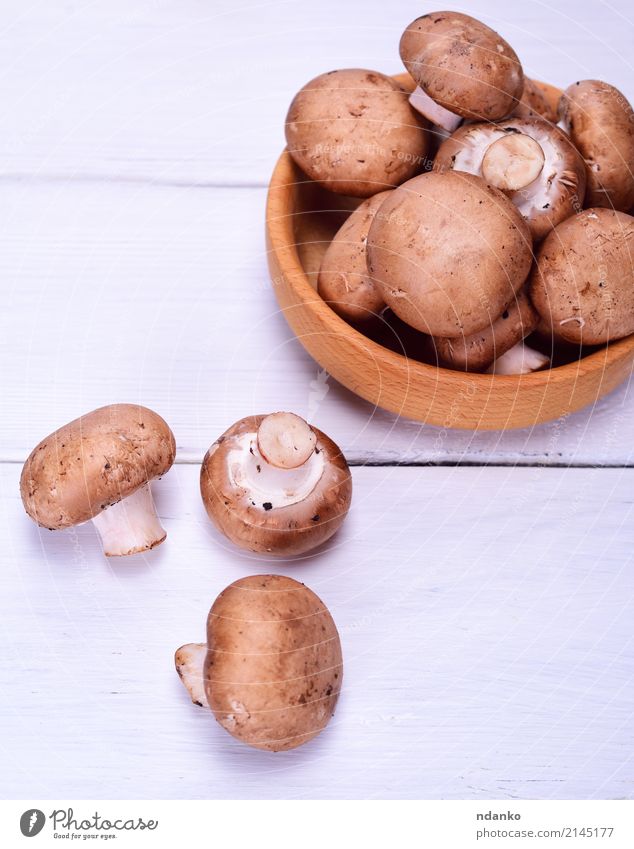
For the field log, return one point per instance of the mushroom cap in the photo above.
(354, 132)
(274, 667)
(534, 104)
(283, 530)
(600, 121)
(555, 194)
(477, 351)
(93, 462)
(463, 65)
(582, 283)
(449, 252)
(344, 281)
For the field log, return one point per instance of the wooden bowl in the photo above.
(301, 219)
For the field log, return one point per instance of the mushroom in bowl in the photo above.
(272, 668)
(600, 121)
(449, 253)
(532, 161)
(462, 68)
(275, 485)
(582, 284)
(535, 104)
(354, 132)
(99, 467)
(344, 281)
(479, 350)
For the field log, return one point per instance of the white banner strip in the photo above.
(319, 825)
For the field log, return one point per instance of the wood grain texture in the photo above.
(161, 296)
(193, 92)
(485, 618)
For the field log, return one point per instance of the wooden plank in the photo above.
(193, 92)
(485, 616)
(161, 296)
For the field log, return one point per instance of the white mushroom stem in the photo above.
(189, 660)
(513, 162)
(433, 111)
(286, 440)
(131, 525)
(520, 359)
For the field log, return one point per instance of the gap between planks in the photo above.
(357, 463)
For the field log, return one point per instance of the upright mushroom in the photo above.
(462, 68)
(450, 252)
(354, 132)
(532, 161)
(99, 467)
(600, 121)
(275, 485)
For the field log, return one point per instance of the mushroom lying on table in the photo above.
(354, 132)
(449, 252)
(600, 121)
(275, 485)
(99, 467)
(463, 69)
(271, 669)
(532, 161)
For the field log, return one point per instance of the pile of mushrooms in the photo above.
(490, 213)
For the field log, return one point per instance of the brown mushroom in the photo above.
(344, 281)
(274, 485)
(99, 467)
(354, 132)
(272, 667)
(477, 351)
(600, 121)
(582, 284)
(463, 69)
(449, 253)
(534, 103)
(529, 159)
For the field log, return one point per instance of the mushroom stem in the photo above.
(267, 485)
(513, 162)
(189, 660)
(520, 359)
(285, 440)
(131, 525)
(433, 111)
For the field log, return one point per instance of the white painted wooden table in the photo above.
(485, 612)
